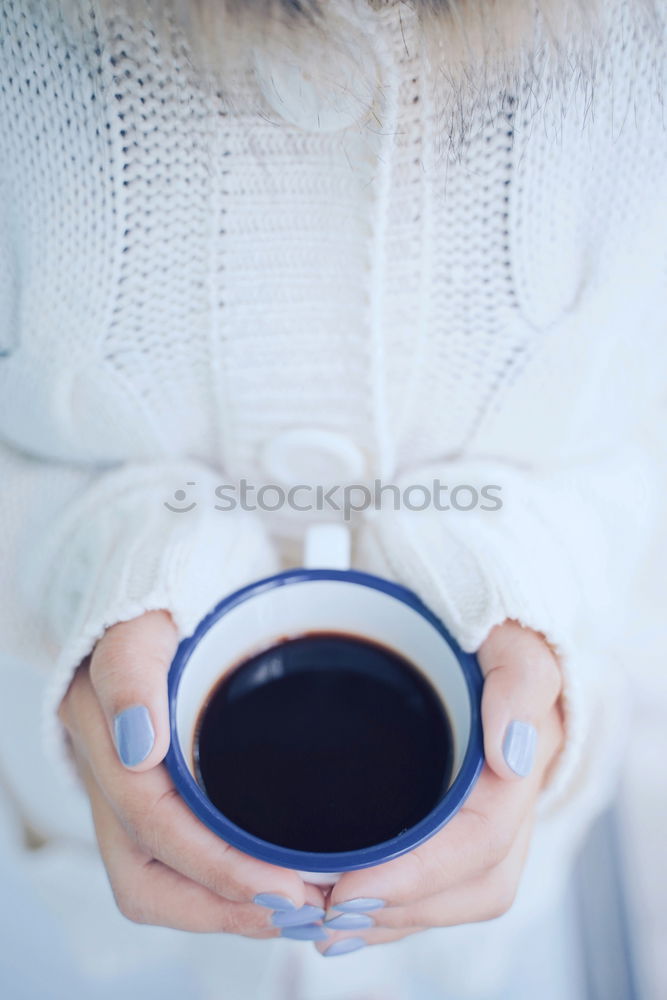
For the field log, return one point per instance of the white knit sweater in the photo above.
(185, 281)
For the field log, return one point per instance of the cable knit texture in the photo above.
(449, 282)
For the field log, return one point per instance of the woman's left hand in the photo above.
(470, 870)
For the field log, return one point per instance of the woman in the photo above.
(327, 243)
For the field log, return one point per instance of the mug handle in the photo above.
(327, 546)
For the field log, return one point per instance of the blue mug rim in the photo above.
(313, 861)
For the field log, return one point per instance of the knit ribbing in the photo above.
(382, 449)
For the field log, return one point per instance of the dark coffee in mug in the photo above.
(326, 742)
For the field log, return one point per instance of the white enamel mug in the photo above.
(324, 595)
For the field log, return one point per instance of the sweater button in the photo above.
(313, 457)
(319, 90)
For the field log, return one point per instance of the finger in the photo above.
(158, 820)
(128, 670)
(356, 940)
(477, 838)
(481, 898)
(148, 892)
(522, 683)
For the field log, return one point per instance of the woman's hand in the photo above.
(469, 871)
(165, 867)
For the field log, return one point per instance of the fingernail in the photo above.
(309, 932)
(134, 734)
(349, 922)
(292, 918)
(359, 905)
(344, 946)
(274, 901)
(519, 747)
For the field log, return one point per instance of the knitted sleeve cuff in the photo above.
(118, 551)
(547, 557)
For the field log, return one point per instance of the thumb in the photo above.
(522, 681)
(128, 671)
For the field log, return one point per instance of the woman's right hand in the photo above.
(164, 865)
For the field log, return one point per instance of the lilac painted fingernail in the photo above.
(292, 918)
(134, 735)
(344, 947)
(349, 922)
(308, 932)
(274, 901)
(519, 747)
(360, 905)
